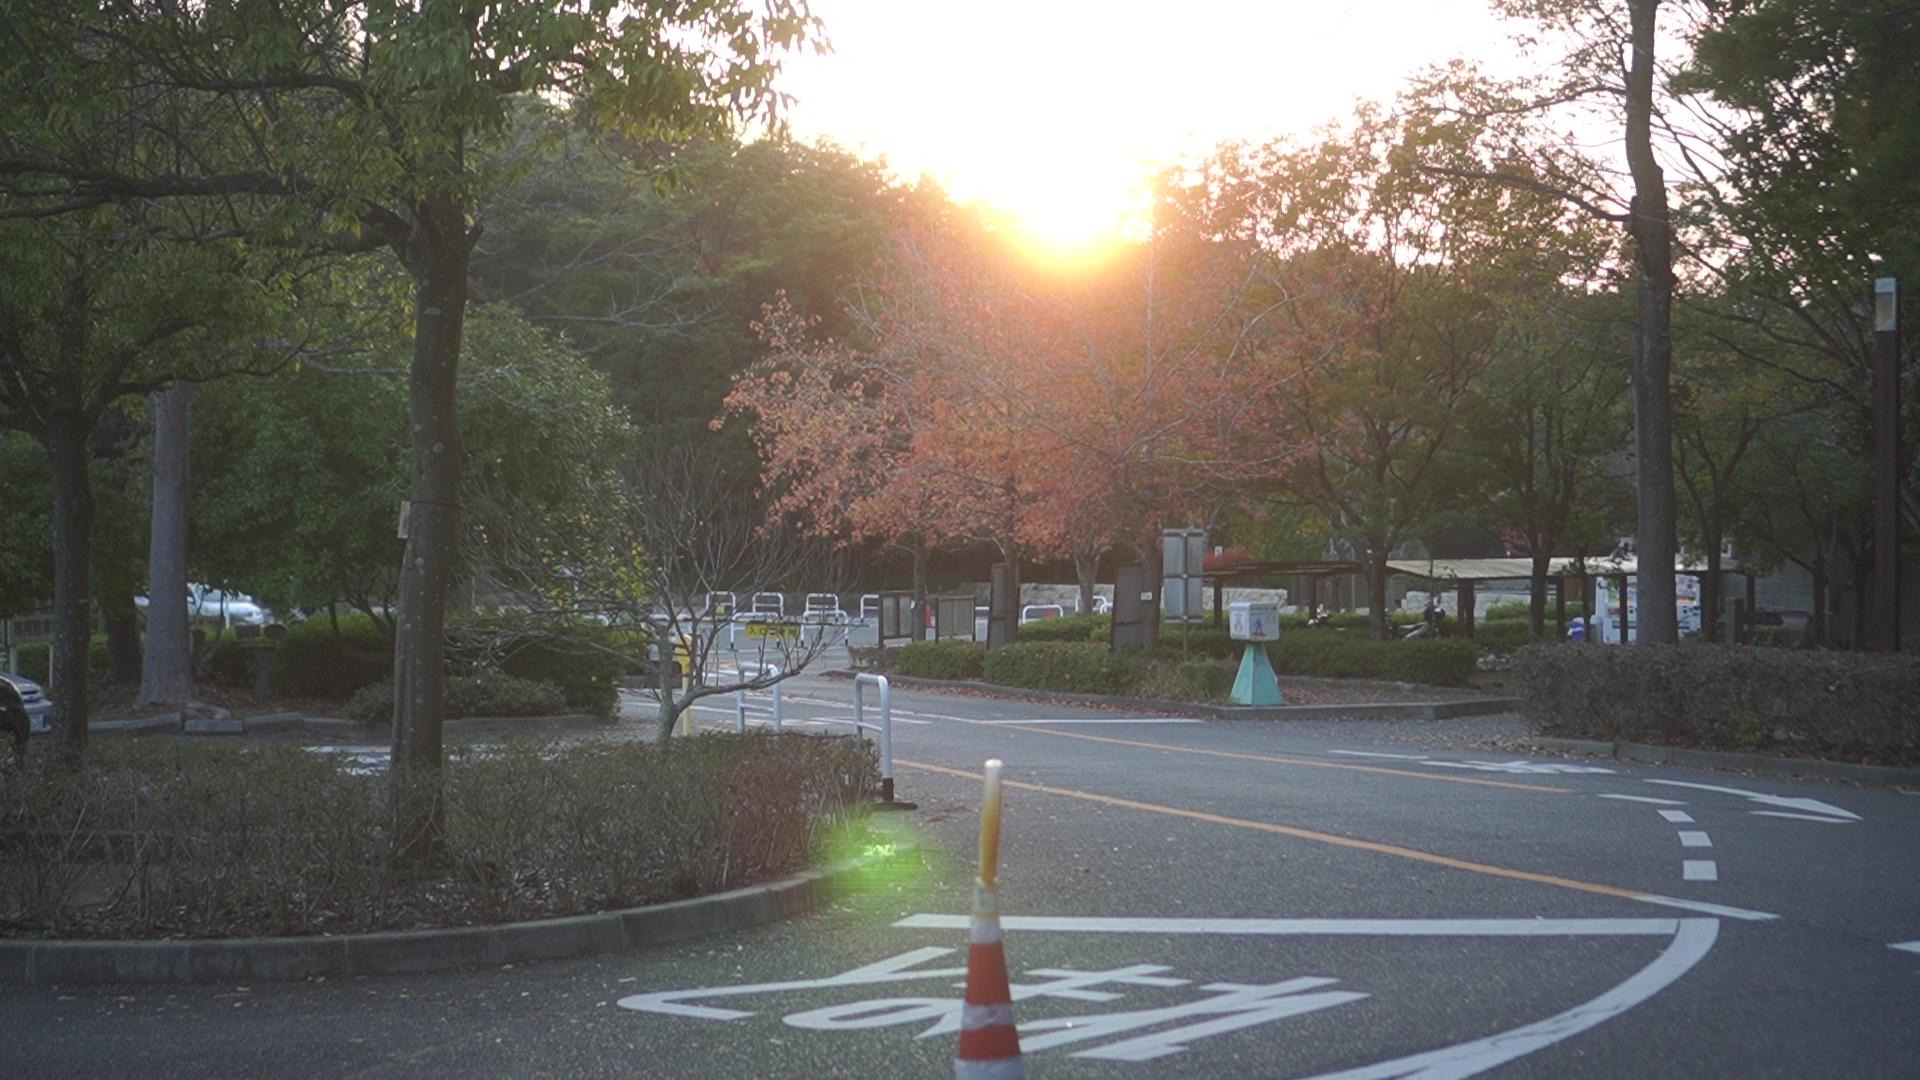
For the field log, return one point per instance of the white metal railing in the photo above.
(1037, 612)
(885, 726)
(869, 607)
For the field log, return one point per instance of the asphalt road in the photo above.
(1353, 899)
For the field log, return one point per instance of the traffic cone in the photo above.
(989, 1045)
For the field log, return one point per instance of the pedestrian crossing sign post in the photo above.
(1256, 624)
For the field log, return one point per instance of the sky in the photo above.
(1054, 111)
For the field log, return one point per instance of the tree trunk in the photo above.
(1086, 568)
(73, 509)
(121, 621)
(167, 675)
(1537, 597)
(1711, 589)
(1652, 399)
(1377, 593)
(437, 259)
(663, 672)
(920, 609)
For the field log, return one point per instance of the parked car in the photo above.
(39, 707)
(204, 602)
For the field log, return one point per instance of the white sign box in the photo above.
(1254, 621)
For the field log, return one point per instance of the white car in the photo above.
(209, 603)
(39, 708)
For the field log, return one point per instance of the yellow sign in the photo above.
(772, 631)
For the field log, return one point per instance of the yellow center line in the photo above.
(1381, 769)
(1302, 834)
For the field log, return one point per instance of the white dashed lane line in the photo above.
(1678, 817)
(1699, 870)
(1693, 838)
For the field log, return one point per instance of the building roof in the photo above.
(1522, 568)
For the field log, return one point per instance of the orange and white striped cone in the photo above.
(989, 1045)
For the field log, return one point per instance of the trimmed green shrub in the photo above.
(1505, 635)
(1062, 665)
(484, 692)
(312, 662)
(1853, 706)
(34, 660)
(1068, 628)
(588, 678)
(1517, 609)
(941, 660)
(1199, 681)
(219, 840)
(1334, 653)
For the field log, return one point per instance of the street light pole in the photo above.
(1884, 628)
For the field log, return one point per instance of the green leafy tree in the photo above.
(369, 124)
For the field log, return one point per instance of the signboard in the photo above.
(953, 617)
(1606, 622)
(771, 631)
(1183, 554)
(896, 615)
(1254, 621)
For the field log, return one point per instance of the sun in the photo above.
(1062, 213)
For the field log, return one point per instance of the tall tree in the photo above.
(377, 118)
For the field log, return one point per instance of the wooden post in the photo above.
(1218, 614)
(1560, 606)
(1466, 608)
(1313, 594)
(1620, 587)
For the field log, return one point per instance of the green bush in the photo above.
(34, 660)
(1199, 681)
(1337, 654)
(1505, 610)
(1062, 665)
(1068, 628)
(941, 660)
(216, 840)
(1505, 635)
(585, 660)
(1853, 706)
(483, 692)
(312, 662)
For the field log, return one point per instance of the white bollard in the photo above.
(740, 696)
(885, 727)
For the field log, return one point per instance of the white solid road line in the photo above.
(1906, 946)
(1814, 806)
(1373, 753)
(1090, 924)
(1691, 838)
(1800, 817)
(1678, 817)
(1646, 799)
(1694, 938)
(1699, 870)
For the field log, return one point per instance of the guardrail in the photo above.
(885, 728)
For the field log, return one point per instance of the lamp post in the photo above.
(1884, 630)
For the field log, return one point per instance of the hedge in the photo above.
(214, 839)
(1067, 628)
(1852, 706)
(34, 660)
(1338, 654)
(1077, 667)
(482, 692)
(941, 660)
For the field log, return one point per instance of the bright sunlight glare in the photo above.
(1054, 113)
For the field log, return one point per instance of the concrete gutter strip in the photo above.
(43, 963)
(1375, 710)
(1846, 772)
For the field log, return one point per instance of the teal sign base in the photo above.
(1255, 684)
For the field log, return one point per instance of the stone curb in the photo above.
(1384, 710)
(44, 963)
(1885, 775)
